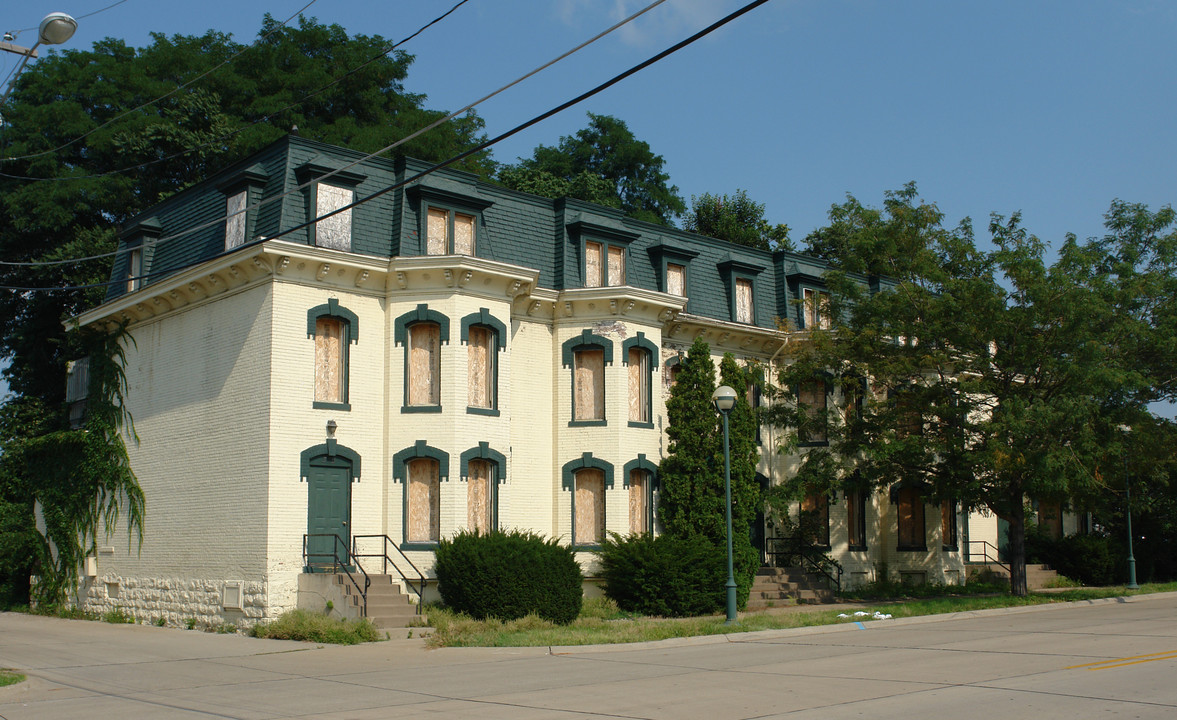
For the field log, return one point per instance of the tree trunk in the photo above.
(1017, 553)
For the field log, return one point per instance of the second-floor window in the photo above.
(588, 368)
(813, 395)
(424, 371)
(330, 360)
(639, 385)
(481, 367)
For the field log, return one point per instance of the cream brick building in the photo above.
(450, 354)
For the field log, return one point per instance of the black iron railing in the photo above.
(386, 558)
(989, 554)
(340, 560)
(798, 552)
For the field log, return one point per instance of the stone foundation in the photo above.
(180, 602)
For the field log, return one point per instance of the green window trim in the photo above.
(329, 450)
(651, 470)
(400, 474)
(401, 326)
(251, 181)
(419, 449)
(640, 341)
(421, 314)
(585, 462)
(483, 452)
(731, 270)
(332, 308)
(452, 197)
(351, 332)
(485, 318)
(663, 255)
(589, 340)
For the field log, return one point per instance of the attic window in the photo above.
(333, 232)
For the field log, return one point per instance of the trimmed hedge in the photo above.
(508, 575)
(664, 575)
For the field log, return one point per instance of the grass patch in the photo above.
(10, 677)
(314, 627)
(600, 624)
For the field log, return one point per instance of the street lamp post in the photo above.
(725, 399)
(1128, 501)
(55, 28)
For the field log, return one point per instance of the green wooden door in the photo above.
(328, 511)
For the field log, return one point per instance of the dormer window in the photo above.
(240, 189)
(449, 232)
(740, 277)
(604, 264)
(816, 305)
(333, 193)
(235, 219)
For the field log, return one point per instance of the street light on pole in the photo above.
(1128, 501)
(725, 399)
(55, 29)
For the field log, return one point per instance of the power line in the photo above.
(201, 76)
(243, 128)
(364, 158)
(445, 163)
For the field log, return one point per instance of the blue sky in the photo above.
(1046, 107)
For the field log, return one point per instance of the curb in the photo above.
(848, 626)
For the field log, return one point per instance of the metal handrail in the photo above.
(810, 558)
(995, 559)
(387, 560)
(338, 565)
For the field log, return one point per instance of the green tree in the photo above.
(584, 186)
(608, 149)
(737, 219)
(691, 503)
(995, 377)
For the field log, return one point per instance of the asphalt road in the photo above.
(1076, 661)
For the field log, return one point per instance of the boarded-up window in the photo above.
(616, 265)
(480, 359)
(424, 501)
(593, 261)
(424, 364)
(812, 395)
(639, 501)
(817, 310)
(672, 372)
(588, 506)
(463, 234)
(948, 524)
(676, 280)
(235, 220)
(134, 270)
(911, 520)
(815, 519)
(330, 349)
(480, 496)
(333, 232)
(909, 420)
(639, 385)
(588, 402)
(437, 232)
(856, 519)
(743, 300)
(1050, 519)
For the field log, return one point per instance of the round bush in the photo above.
(664, 575)
(507, 575)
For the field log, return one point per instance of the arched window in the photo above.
(483, 469)
(334, 328)
(422, 469)
(483, 335)
(422, 332)
(588, 478)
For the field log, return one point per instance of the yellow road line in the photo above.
(1121, 662)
